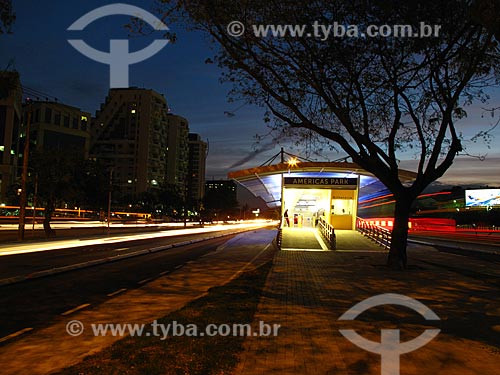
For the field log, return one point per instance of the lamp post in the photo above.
(109, 197)
(34, 203)
(24, 176)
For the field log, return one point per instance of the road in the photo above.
(40, 302)
(24, 259)
(484, 246)
(75, 229)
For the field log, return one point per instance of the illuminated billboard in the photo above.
(482, 198)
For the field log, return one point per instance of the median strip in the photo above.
(232, 304)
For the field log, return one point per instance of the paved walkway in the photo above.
(52, 348)
(307, 291)
(311, 239)
(302, 238)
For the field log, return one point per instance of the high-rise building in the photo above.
(221, 199)
(227, 186)
(196, 173)
(59, 127)
(143, 144)
(10, 123)
(129, 135)
(177, 150)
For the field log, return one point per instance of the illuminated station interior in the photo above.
(312, 190)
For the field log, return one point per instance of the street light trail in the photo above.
(67, 244)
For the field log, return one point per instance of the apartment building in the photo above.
(197, 162)
(144, 145)
(57, 127)
(10, 129)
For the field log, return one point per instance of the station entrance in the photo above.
(310, 191)
(306, 200)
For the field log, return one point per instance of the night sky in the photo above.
(39, 50)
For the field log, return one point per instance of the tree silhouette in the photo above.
(378, 99)
(7, 16)
(67, 179)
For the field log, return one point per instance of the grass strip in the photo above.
(233, 303)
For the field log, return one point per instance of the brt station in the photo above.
(318, 201)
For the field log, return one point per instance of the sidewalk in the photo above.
(307, 291)
(52, 348)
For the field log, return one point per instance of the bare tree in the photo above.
(377, 98)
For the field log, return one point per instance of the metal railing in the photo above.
(375, 233)
(328, 232)
(279, 238)
(478, 228)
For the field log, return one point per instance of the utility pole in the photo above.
(184, 208)
(34, 202)
(109, 197)
(24, 177)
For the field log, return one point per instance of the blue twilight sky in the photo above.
(39, 50)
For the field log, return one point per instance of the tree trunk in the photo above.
(49, 209)
(397, 253)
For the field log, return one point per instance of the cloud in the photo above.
(467, 170)
(252, 155)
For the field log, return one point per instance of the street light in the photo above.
(292, 162)
(34, 203)
(109, 197)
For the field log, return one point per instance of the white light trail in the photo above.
(74, 243)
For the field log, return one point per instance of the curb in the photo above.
(116, 258)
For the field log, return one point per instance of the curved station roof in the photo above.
(265, 181)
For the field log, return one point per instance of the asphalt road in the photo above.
(39, 302)
(25, 264)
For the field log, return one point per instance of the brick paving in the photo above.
(307, 291)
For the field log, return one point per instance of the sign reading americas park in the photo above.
(325, 183)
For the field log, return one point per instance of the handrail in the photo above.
(328, 232)
(377, 234)
(279, 237)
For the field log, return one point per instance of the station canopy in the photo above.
(265, 181)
